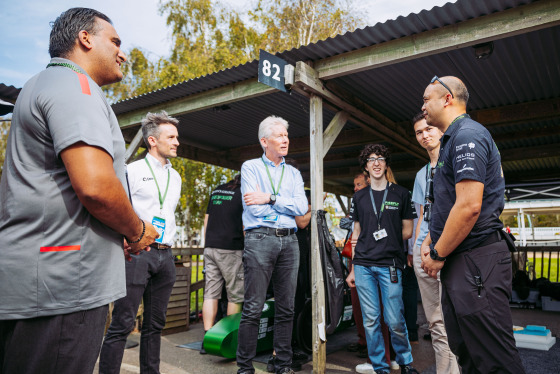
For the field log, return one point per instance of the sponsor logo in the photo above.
(393, 203)
(145, 179)
(464, 168)
(471, 145)
(459, 147)
(464, 156)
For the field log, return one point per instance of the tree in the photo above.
(4, 130)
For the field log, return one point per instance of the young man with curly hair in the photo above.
(383, 218)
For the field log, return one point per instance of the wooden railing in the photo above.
(189, 281)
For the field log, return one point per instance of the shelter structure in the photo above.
(364, 86)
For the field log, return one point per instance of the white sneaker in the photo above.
(365, 368)
(394, 365)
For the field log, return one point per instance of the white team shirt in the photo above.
(144, 193)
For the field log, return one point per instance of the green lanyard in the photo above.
(161, 199)
(274, 192)
(382, 205)
(66, 65)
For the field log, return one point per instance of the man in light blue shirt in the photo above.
(272, 196)
(430, 288)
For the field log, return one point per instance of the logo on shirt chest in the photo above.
(391, 205)
(146, 179)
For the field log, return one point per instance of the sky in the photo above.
(24, 27)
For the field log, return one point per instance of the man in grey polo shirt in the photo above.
(63, 206)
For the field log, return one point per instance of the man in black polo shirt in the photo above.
(383, 219)
(465, 239)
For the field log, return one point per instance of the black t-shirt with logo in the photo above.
(225, 225)
(398, 206)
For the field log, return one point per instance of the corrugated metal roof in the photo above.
(9, 93)
(437, 17)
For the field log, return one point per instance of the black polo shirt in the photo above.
(225, 225)
(398, 206)
(468, 152)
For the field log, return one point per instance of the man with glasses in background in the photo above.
(383, 219)
(428, 137)
(465, 240)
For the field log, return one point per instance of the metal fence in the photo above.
(543, 261)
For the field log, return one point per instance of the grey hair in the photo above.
(150, 125)
(265, 128)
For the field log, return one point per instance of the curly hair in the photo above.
(378, 149)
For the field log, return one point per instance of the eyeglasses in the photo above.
(381, 160)
(435, 78)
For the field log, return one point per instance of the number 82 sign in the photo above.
(271, 70)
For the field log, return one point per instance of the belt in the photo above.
(491, 239)
(273, 231)
(160, 246)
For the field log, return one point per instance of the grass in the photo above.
(537, 263)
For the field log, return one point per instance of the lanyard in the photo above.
(382, 205)
(66, 65)
(161, 199)
(274, 192)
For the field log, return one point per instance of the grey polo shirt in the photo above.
(55, 258)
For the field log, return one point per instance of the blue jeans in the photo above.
(367, 280)
(149, 275)
(265, 258)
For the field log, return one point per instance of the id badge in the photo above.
(159, 225)
(380, 234)
(271, 218)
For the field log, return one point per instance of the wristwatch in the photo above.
(434, 255)
(272, 199)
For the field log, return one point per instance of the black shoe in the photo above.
(299, 355)
(407, 369)
(362, 352)
(428, 336)
(296, 366)
(202, 350)
(353, 347)
(271, 364)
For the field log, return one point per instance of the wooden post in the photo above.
(133, 147)
(318, 286)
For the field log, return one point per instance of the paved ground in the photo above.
(176, 360)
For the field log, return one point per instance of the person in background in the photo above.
(64, 209)
(430, 288)
(223, 252)
(383, 218)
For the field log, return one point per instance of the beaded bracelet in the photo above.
(141, 236)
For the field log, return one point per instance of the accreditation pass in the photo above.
(380, 234)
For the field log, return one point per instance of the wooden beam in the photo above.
(332, 131)
(133, 147)
(317, 282)
(527, 153)
(511, 22)
(307, 80)
(342, 205)
(197, 154)
(518, 113)
(208, 99)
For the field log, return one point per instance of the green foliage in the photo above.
(4, 129)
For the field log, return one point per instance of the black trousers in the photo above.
(477, 318)
(60, 344)
(149, 276)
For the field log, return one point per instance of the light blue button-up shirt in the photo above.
(290, 200)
